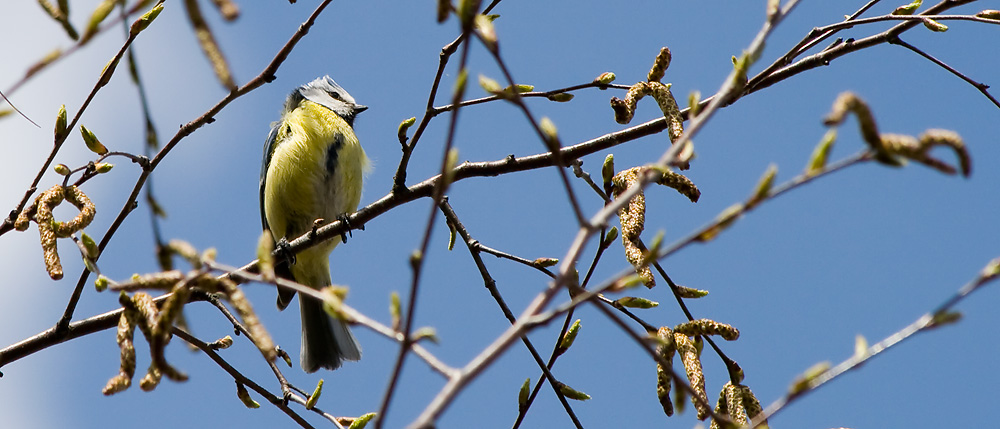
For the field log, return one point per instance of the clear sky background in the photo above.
(864, 251)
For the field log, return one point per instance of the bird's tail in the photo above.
(326, 342)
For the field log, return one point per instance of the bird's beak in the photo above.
(358, 108)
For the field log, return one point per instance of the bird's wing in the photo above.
(281, 267)
(269, 146)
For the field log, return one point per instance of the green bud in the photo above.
(486, 30)
(361, 422)
(944, 318)
(92, 142)
(90, 245)
(395, 309)
(244, 395)
(426, 333)
(403, 127)
(773, 6)
(605, 78)
(817, 162)
(61, 122)
(763, 187)
(907, 9)
(452, 233)
(860, 347)
(636, 302)
(627, 282)
(991, 270)
(560, 97)
(690, 292)
(102, 283)
(146, 19)
(804, 381)
(612, 235)
(722, 221)
(567, 340)
(103, 167)
(545, 262)
(694, 103)
(102, 11)
(489, 85)
(608, 170)
(934, 25)
(654, 247)
(222, 343)
(311, 402)
(551, 133)
(572, 393)
(989, 14)
(523, 393)
(61, 169)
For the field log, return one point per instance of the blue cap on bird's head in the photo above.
(327, 93)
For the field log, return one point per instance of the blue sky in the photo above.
(864, 251)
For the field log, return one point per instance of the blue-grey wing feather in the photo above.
(269, 146)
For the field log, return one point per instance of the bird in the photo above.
(313, 168)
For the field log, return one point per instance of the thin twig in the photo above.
(923, 323)
(240, 378)
(491, 285)
(982, 87)
(419, 257)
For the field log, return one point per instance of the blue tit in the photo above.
(313, 169)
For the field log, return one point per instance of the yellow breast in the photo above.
(316, 171)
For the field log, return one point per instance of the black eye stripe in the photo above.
(334, 94)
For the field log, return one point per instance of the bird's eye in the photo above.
(334, 94)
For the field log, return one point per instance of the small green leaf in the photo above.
(92, 142)
(944, 318)
(572, 393)
(860, 346)
(146, 19)
(403, 127)
(605, 78)
(241, 392)
(934, 25)
(907, 9)
(545, 262)
(103, 167)
(803, 382)
(426, 333)
(989, 14)
(567, 340)
(611, 236)
(523, 393)
(608, 170)
(90, 245)
(311, 402)
(395, 309)
(763, 189)
(636, 302)
(102, 283)
(817, 162)
(489, 85)
(560, 97)
(361, 422)
(61, 122)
